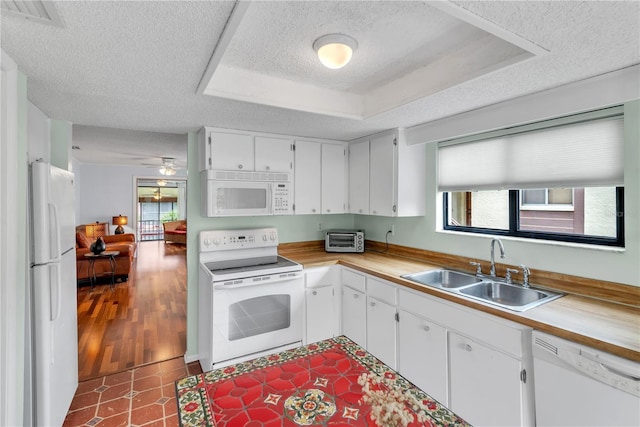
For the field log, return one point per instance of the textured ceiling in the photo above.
(136, 65)
(406, 51)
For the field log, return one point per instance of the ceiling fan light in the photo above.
(167, 170)
(335, 50)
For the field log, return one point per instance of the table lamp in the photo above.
(119, 220)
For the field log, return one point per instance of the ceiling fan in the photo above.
(168, 166)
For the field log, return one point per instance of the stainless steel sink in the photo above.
(509, 296)
(443, 278)
(485, 289)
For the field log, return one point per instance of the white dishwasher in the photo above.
(580, 386)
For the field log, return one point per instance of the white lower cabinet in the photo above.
(319, 312)
(474, 363)
(381, 320)
(354, 315)
(422, 354)
(322, 318)
(478, 365)
(381, 331)
(485, 384)
(354, 306)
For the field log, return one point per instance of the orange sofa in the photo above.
(123, 243)
(175, 231)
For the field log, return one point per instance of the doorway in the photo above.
(159, 201)
(141, 320)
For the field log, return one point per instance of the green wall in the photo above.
(61, 136)
(611, 264)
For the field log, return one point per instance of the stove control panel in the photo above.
(219, 240)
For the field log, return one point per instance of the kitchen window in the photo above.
(558, 180)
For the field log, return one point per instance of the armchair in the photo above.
(175, 231)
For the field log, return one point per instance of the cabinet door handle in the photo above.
(240, 166)
(315, 292)
(373, 304)
(359, 210)
(268, 168)
(356, 295)
(467, 347)
(313, 210)
(426, 328)
(329, 210)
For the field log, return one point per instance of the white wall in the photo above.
(104, 191)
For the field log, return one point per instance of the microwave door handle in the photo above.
(270, 196)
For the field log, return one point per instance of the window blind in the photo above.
(579, 154)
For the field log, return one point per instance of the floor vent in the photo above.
(39, 11)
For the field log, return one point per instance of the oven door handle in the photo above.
(288, 277)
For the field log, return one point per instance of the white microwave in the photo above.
(239, 193)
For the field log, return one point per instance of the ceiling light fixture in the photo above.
(161, 182)
(335, 50)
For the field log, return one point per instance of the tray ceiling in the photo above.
(406, 51)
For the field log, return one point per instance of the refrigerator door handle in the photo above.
(55, 228)
(54, 292)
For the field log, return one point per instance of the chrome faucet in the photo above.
(492, 272)
(525, 275)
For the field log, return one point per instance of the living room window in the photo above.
(557, 180)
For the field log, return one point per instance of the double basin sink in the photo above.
(486, 289)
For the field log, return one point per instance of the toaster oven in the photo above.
(344, 241)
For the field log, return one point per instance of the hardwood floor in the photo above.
(140, 321)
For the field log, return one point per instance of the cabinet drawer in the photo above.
(381, 291)
(354, 280)
(500, 333)
(320, 276)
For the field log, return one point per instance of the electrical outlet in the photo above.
(319, 226)
(392, 229)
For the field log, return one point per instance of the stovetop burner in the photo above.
(223, 269)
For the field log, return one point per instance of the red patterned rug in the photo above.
(329, 383)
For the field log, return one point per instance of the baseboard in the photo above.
(188, 358)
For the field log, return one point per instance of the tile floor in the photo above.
(143, 396)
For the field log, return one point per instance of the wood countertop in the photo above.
(607, 326)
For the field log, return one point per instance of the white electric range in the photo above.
(250, 299)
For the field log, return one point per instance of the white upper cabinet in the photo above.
(273, 154)
(359, 177)
(334, 178)
(397, 176)
(307, 177)
(225, 150)
(382, 176)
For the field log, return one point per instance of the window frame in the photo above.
(514, 224)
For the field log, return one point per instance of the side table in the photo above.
(111, 255)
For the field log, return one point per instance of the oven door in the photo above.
(250, 318)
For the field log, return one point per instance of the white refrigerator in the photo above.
(53, 294)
